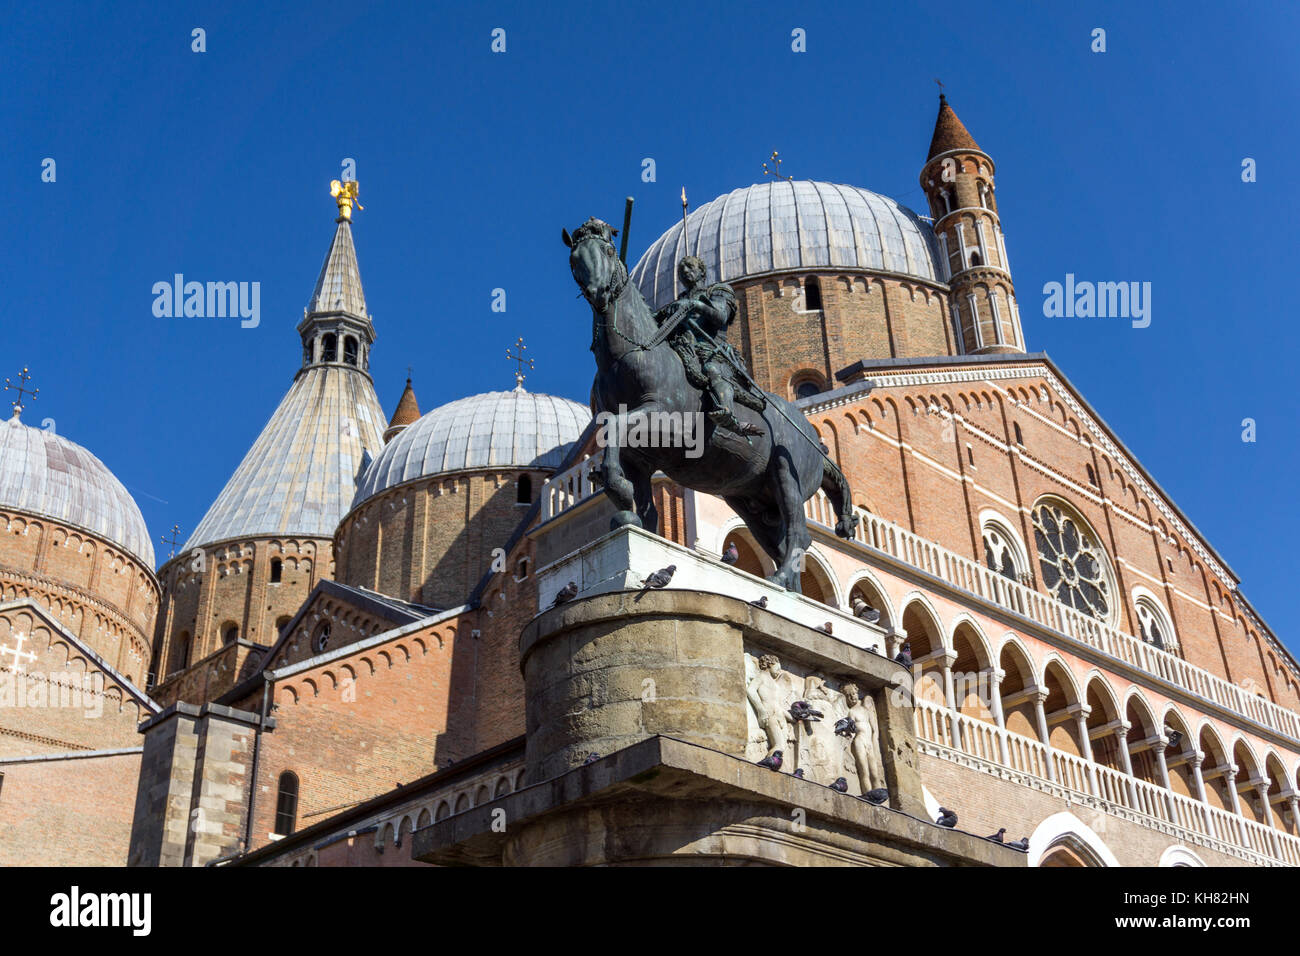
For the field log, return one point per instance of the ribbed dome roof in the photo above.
(301, 472)
(45, 474)
(515, 429)
(775, 226)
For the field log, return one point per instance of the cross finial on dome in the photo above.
(519, 360)
(775, 169)
(173, 541)
(23, 378)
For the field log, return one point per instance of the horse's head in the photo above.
(595, 264)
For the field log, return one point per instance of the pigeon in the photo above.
(876, 797)
(566, 593)
(660, 578)
(904, 655)
(840, 785)
(864, 610)
(874, 649)
(825, 628)
(802, 710)
(998, 837)
(731, 555)
(1021, 844)
(946, 818)
(761, 602)
(846, 727)
(591, 758)
(772, 761)
(799, 773)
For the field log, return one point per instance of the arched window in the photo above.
(1003, 551)
(308, 350)
(350, 350)
(280, 622)
(321, 641)
(181, 656)
(806, 389)
(1020, 438)
(329, 351)
(1092, 476)
(1073, 564)
(812, 294)
(277, 568)
(286, 804)
(975, 260)
(229, 633)
(524, 490)
(1154, 625)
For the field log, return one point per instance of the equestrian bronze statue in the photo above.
(760, 454)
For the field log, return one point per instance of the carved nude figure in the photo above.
(865, 744)
(767, 694)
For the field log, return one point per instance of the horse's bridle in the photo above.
(615, 292)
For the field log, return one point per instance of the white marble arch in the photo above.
(1179, 856)
(1065, 828)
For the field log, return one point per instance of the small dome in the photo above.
(44, 474)
(781, 226)
(515, 429)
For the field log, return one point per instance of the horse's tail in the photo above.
(836, 487)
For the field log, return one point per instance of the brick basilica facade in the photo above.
(357, 657)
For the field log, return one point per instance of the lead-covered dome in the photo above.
(44, 474)
(516, 429)
(779, 226)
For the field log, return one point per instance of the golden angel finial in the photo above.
(345, 194)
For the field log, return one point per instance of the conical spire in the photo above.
(300, 475)
(407, 413)
(949, 133)
(338, 289)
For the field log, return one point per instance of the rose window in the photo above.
(1073, 566)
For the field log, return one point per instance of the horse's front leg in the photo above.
(643, 491)
(618, 487)
(793, 535)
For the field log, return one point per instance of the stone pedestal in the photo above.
(648, 710)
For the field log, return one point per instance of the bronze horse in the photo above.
(765, 479)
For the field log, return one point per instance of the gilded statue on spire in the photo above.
(345, 194)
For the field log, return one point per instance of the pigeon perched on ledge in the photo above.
(566, 593)
(732, 554)
(947, 818)
(802, 710)
(799, 773)
(840, 785)
(864, 610)
(660, 578)
(825, 628)
(761, 602)
(998, 837)
(846, 727)
(772, 761)
(591, 758)
(904, 655)
(1022, 844)
(876, 797)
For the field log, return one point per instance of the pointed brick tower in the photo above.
(958, 180)
(268, 537)
(407, 413)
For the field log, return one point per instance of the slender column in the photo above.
(894, 640)
(1293, 803)
(1196, 760)
(950, 695)
(1121, 740)
(1081, 712)
(995, 675)
(1163, 768)
(1040, 697)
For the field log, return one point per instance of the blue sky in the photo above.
(1116, 166)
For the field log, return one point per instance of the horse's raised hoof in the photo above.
(622, 518)
(847, 526)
